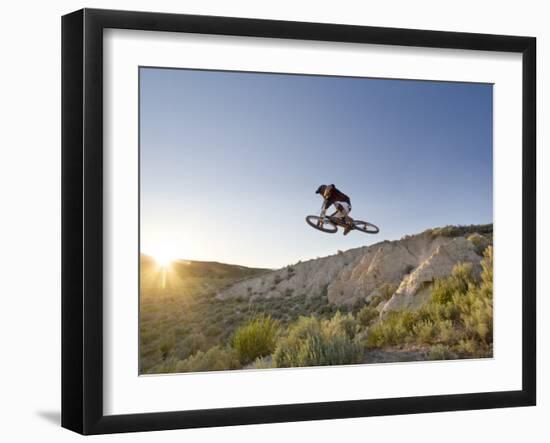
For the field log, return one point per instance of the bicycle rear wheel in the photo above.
(321, 223)
(364, 226)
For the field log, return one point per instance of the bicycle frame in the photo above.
(338, 221)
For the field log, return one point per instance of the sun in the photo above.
(164, 257)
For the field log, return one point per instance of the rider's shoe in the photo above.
(349, 225)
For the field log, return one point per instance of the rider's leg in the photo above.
(344, 210)
(340, 211)
(349, 225)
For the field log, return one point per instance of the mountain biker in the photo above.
(342, 203)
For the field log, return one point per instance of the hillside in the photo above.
(202, 269)
(195, 275)
(400, 273)
(425, 296)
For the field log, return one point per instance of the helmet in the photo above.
(321, 189)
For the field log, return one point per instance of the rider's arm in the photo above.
(326, 204)
(327, 195)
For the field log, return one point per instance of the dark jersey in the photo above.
(333, 195)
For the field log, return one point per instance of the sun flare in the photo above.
(163, 257)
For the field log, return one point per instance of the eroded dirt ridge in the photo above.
(399, 273)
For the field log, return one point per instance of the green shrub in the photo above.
(367, 315)
(425, 331)
(439, 352)
(487, 266)
(476, 306)
(458, 282)
(215, 359)
(343, 309)
(262, 363)
(165, 367)
(193, 343)
(457, 231)
(358, 305)
(213, 331)
(480, 242)
(447, 333)
(342, 322)
(149, 335)
(375, 300)
(256, 339)
(314, 342)
(387, 290)
(181, 331)
(472, 348)
(459, 315)
(166, 346)
(326, 310)
(383, 294)
(230, 320)
(393, 330)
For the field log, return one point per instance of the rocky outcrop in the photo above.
(409, 266)
(415, 288)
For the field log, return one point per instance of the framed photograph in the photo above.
(269, 221)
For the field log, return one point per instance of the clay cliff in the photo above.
(398, 273)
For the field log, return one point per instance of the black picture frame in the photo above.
(82, 218)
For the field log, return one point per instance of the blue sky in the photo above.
(230, 161)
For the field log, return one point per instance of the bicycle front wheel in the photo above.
(321, 223)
